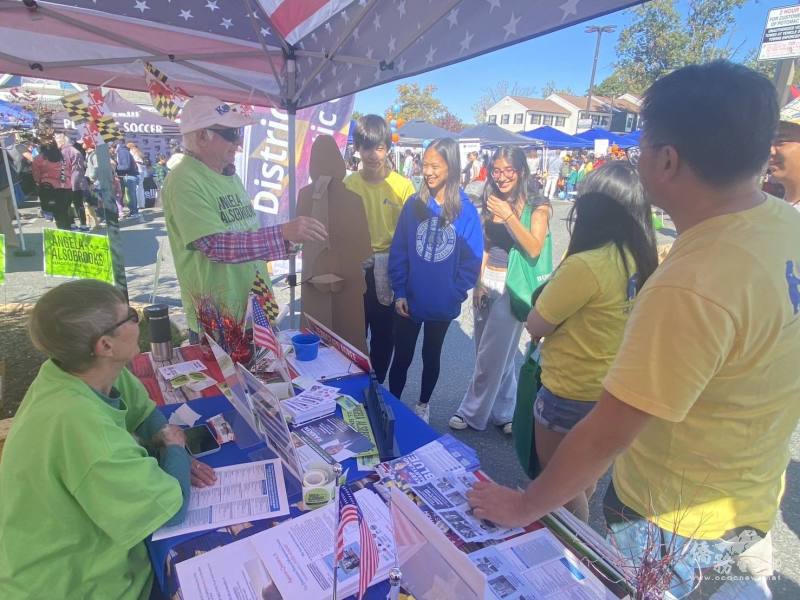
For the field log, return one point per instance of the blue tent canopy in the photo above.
(553, 138)
(418, 130)
(603, 134)
(12, 115)
(491, 134)
(634, 137)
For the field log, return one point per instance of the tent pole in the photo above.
(23, 251)
(292, 279)
(105, 178)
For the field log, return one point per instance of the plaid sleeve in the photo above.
(243, 246)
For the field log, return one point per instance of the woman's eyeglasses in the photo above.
(234, 135)
(508, 172)
(133, 316)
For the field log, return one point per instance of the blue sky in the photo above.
(567, 61)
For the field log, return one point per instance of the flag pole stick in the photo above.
(337, 473)
(395, 574)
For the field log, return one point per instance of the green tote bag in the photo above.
(525, 274)
(522, 424)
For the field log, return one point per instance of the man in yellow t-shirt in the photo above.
(383, 192)
(701, 401)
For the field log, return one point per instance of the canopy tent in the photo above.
(634, 137)
(553, 138)
(417, 131)
(13, 116)
(491, 134)
(603, 134)
(283, 53)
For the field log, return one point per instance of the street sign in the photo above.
(781, 34)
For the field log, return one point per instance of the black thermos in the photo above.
(160, 334)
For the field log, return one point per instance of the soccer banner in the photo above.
(78, 255)
(264, 167)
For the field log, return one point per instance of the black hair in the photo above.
(372, 131)
(447, 148)
(526, 187)
(611, 207)
(51, 151)
(720, 117)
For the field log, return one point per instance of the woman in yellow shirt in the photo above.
(582, 310)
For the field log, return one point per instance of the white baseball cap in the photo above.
(202, 112)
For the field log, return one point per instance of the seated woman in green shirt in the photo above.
(90, 468)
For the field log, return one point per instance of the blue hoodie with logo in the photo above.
(432, 265)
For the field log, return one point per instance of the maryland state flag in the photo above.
(91, 114)
(167, 100)
(266, 299)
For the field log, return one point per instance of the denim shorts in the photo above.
(559, 414)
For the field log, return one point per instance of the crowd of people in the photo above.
(63, 175)
(680, 376)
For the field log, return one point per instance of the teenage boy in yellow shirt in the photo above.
(384, 192)
(701, 401)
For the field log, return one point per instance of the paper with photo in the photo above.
(537, 565)
(230, 571)
(271, 422)
(447, 497)
(299, 553)
(170, 372)
(245, 492)
(437, 458)
(336, 437)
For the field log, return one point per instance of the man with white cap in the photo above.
(214, 232)
(784, 156)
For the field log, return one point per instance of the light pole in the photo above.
(599, 30)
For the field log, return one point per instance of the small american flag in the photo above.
(263, 336)
(350, 512)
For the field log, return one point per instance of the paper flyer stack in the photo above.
(313, 403)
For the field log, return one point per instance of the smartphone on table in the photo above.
(200, 441)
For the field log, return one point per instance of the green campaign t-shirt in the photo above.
(79, 494)
(199, 202)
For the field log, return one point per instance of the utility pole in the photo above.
(599, 30)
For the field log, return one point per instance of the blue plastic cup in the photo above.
(306, 346)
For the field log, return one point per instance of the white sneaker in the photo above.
(423, 411)
(457, 422)
(508, 428)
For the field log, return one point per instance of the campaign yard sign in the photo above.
(781, 34)
(77, 255)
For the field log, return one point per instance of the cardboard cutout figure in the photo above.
(333, 280)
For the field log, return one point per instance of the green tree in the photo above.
(417, 103)
(356, 115)
(659, 41)
(497, 92)
(551, 88)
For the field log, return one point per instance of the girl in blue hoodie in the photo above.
(434, 261)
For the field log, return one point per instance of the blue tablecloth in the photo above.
(410, 431)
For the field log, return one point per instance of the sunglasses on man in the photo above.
(234, 135)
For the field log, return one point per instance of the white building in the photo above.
(567, 113)
(515, 113)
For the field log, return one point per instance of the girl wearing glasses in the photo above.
(90, 468)
(434, 261)
(512, 218)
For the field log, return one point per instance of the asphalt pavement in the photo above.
(141, 244)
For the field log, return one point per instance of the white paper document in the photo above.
(537, 565)
(299, 553)
(231, 571)
(184, 416)
(245, 492)
(330, 363)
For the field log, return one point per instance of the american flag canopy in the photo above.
(288, 53)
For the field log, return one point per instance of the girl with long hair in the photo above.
(434, 261)
(582, 310)
(491, 395)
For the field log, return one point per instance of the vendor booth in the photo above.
(409, 523)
